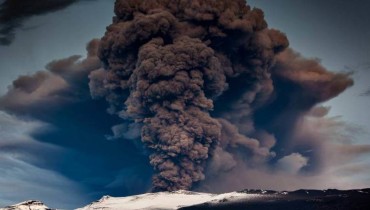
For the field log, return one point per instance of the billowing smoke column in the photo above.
(192, 73)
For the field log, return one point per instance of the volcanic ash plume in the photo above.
(174, 65)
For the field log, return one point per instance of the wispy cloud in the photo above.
(20, 180)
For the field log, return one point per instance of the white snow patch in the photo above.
(163, 200)
(27, 205)
(360, 191)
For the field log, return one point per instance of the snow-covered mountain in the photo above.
(164, 200)
(242, 200)
(27, 205)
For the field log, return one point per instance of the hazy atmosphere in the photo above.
(103, 98)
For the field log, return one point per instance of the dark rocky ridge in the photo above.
(297, 200)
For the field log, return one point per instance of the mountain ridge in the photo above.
(358, 199)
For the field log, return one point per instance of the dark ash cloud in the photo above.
(168, 61)
(64, 81)
(211, 84)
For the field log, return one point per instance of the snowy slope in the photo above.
(164, 200)
(27, 205)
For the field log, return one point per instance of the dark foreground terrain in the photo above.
(297, 200)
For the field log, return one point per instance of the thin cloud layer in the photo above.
(20, 178)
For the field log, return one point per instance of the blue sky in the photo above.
(334, 32)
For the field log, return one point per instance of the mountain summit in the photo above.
(28, 205)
